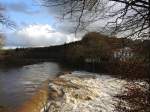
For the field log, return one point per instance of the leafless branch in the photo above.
(131, 16)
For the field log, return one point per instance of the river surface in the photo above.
(19, 84)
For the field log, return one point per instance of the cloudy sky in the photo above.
(35, 25)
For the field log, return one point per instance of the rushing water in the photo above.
(19, 84)
(81, 91)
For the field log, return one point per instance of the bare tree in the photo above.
(129, 18)
(125, 17)
(4, 20)
(1, 40)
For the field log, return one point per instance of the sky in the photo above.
(35, 25)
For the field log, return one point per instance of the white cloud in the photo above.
(36, 31)
(39, 35)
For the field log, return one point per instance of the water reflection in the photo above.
(18, 84)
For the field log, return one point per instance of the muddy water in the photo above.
(19, 84)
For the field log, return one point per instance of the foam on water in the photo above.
(86, 92)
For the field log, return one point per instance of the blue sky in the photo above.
(26, 12)
(35, 25)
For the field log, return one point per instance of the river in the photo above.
(18, 84)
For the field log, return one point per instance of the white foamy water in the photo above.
(86, 92)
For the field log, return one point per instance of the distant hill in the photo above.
(93, 46)
(95, 52)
